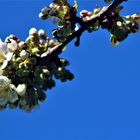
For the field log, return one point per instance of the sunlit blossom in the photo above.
(7, 91)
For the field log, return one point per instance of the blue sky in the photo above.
(101, 103)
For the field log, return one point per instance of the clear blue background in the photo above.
(101, 103)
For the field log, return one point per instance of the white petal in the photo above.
(4, 82)
(12, 46)
(3, 46)
(21, 89)
(9, 56)
(5, 63)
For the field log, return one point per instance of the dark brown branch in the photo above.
(100, 16)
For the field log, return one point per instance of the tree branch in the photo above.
(100, 16)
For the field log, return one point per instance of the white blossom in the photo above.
(7, 91)
(5, 54)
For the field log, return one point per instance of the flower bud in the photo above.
(19, 59)
(42, 16)
(89, 13)
(35, 50)
(96, 11)
(41, 96)
(2, 57)
(113, 40)
(24, 54)
(136, 18)
(28, 65)
(45, 10)
(64, 62)
(22, 45)
(55, 20)
(13, 105)
(46, 71)
(134, 28)
(41, 33)
(21, 89)
(60, 69)
(42, 76)
(51, 43)
(83, 13)
(53, 12)
(33, 32)
(21, 65)
(53, 5)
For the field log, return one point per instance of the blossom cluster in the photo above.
(62, 14)
(123, 26)
(118, 26)
(26, 73)
(23, 79)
